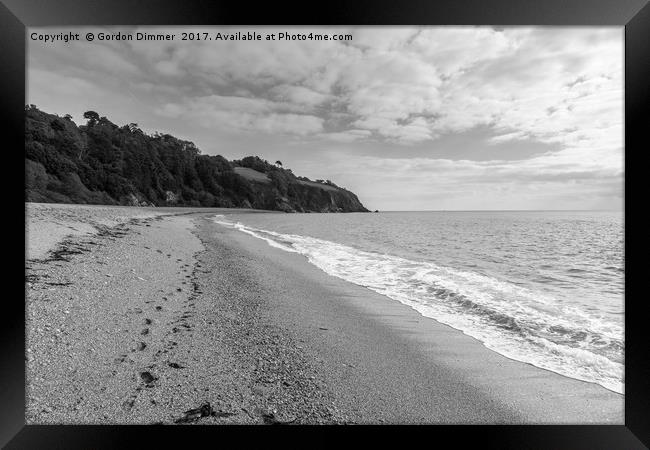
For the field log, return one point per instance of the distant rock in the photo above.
(170, 197)
(133, 200)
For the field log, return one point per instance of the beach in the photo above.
(139, 315)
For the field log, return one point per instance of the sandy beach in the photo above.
(139, 315)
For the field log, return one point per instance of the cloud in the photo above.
(347, 136)
(515, 135)
(231, 113)
(404, 90)
(427, 183)
(299, 95)
(404, 84)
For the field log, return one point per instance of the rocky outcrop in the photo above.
(171, 198)
(302, 197)
(134, 200)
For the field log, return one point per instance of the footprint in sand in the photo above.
(128, 404)
(148, 378)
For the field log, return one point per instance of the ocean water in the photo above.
(545, 288)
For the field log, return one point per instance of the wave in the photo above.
(514, 321)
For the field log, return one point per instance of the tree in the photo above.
(92, 117)
(83, 145)
(57, 125)
(104, 163)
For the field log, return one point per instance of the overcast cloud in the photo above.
(407, 118)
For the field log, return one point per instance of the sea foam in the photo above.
(511, 320)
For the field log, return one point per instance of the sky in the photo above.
(408, 118)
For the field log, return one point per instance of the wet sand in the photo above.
(157, 315)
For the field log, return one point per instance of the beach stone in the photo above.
(147, 377)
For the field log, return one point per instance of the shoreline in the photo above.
(263, 336)
(533, 394)
(48, 224)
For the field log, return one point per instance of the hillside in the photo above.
(102, 163)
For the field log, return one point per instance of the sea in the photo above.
(541, 287)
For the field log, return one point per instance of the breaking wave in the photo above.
(514, 321)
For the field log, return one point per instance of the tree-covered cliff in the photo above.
(102, 163)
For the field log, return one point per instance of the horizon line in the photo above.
(502, 210)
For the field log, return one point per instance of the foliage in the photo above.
(102, 163)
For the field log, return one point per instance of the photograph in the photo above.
(324, 225)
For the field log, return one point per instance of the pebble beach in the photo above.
(161, 316)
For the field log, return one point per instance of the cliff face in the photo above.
(314, 199)
(101, 163)
(296, 195)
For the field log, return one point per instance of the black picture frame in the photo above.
(16, 15)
